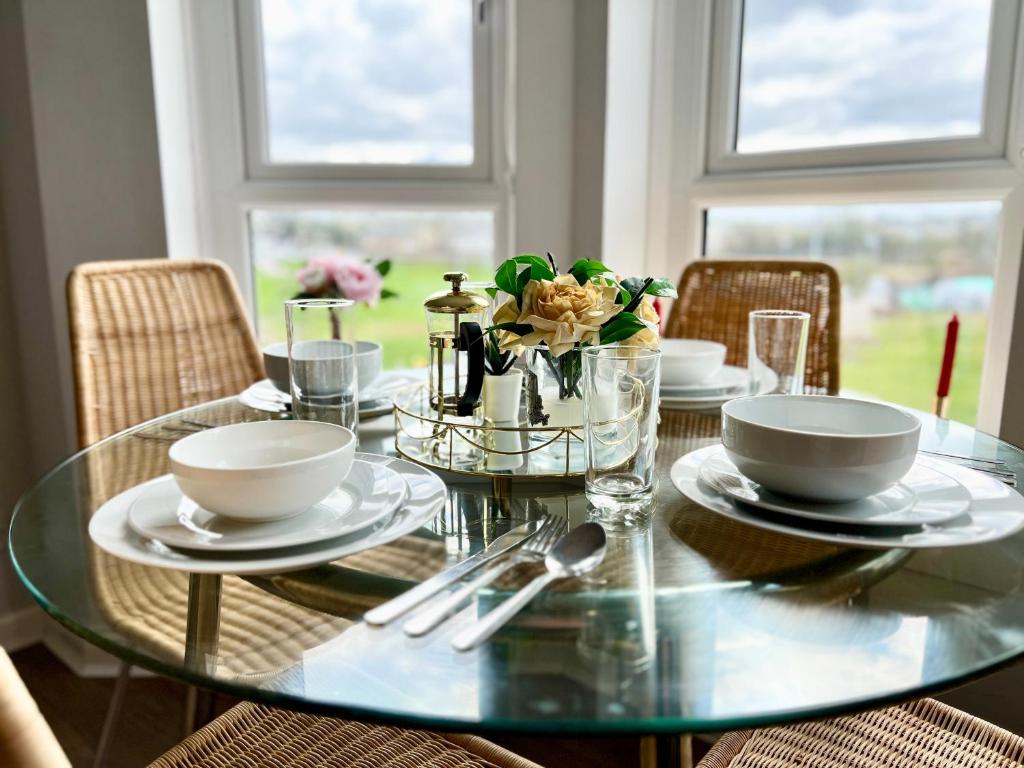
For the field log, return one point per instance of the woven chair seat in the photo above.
(924, 733)
(254, 736)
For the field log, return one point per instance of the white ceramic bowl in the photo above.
(689, 361)
(829, 449)
(263, 470)
(369, 361)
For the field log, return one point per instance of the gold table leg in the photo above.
(666, 752)
(202, 630)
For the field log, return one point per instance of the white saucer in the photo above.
(924, 496)
(109, 530)
(997, 511)
(369, 495)
(727, 379)
(376, 400)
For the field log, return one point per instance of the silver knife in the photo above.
(392, 609)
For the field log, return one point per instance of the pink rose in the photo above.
(357, 280)
(313, 278)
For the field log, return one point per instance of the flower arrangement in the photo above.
(557, 314)
(344, 277)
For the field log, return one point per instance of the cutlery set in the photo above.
(564, 555)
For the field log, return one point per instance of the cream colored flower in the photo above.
(561, 312)
(649, 315)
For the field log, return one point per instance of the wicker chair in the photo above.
(716, 297)
(26, 740)
(925, 732)
(147, 338)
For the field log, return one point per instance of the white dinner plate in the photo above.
(729, 378)
(110, 531)
(370, 493)
(997, 511)
(924, 496)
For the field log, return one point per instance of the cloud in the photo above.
(384, 81)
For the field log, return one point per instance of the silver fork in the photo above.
(534, 550)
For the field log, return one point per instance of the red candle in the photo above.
(946, 374)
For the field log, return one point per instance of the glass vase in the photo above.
(554, 399)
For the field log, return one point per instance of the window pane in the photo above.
(905, 268)
(422, 246)
(369, 81)
(818, 73)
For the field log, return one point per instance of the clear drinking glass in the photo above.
(620, 397)
(322, 361)
(777, 351)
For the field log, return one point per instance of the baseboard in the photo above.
(21, 629)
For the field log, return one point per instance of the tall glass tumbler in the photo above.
(322, 361)
(777, 351)
(620, 404)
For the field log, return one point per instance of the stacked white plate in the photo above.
(376, 399)
(727, 384)
(936, 504)
(379, 501)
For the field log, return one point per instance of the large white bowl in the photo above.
(690, 361)
(369, 362)
(829, 449)
(265, 470)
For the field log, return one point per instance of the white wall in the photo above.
(79, 181)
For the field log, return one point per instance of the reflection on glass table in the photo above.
(693, 622)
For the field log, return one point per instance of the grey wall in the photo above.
(79, 181)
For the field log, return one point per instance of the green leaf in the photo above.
(584, 269)
(383, 267)
(623, 326)
(511, 279)
(662, 287)
(491, 291)
(387, 293)
(505, 277)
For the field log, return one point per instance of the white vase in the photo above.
(503, 395)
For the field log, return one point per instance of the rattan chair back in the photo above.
(153, 336)
(716, 298)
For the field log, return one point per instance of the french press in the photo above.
(454, 327)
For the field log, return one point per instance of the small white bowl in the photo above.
(264, 470)
(690, 361)
(829, 449)
(369, 361)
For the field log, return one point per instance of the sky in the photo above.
(369, 81)
(834, 72)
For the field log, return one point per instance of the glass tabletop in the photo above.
(693, 623)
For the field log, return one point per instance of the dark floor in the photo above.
(151, 720)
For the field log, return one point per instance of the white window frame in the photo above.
(723, 122)
(256, 124)
(683, 182)
(218, 180)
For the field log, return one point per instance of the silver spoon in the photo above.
(579, 551)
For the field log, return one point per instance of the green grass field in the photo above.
(900, 363)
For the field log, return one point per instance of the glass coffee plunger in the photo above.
(455, 330)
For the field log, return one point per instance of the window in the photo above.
(349, 89)
(904, 268)
(818, 83)
(873, 134)
(422, 245)
(369, 129)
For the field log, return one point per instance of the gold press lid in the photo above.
(456, 301)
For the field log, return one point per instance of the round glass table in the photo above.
(693, 623)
